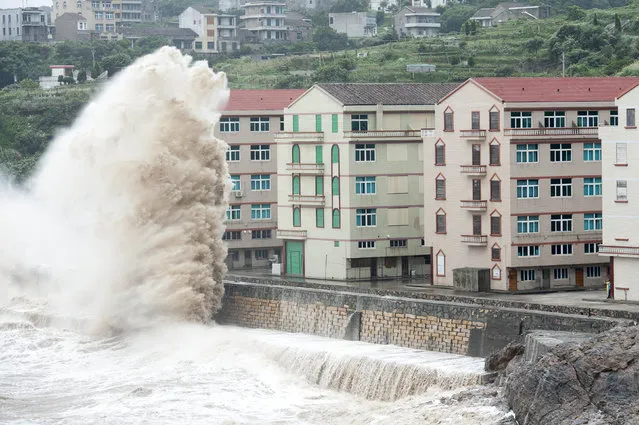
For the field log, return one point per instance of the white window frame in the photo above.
(366, 244)
(529, 186)
(561, 188)
(229, 125)
(528, 223)
(440, 259)
(561, 223)
(367, 217)
(360, 121)
(260, 211)
(596, 222)
(587, 118)
(365, 185)
(260, 182)
(554, 119)
(233, 154)
(621, 190)
(259, 124)
(560, 152)
(562, 249)
(614, 118)
(398, 243)
(260, 152)
(520, 119)
(592, 152)
(262, 234)
(591, 248)
(560, 273)
(237, 184)
(527, 275)
(593, 271)
(527, 153)
(592, 187)
(528, 251)
(233, 213)
(365, 152)
(621, 153)
(261, 254)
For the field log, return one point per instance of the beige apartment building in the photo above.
(620, 151)
(248, 124)
(264, 21)
(513, 197)
(350, 180)
(216, 32)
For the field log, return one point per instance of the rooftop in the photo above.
(388, 93)
(557, 89)
(262, 100)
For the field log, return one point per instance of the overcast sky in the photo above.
(6, 4)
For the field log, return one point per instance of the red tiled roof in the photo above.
(558, 89)
(262, 100)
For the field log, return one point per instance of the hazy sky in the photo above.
(5, 4)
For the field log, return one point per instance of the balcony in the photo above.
(618, 250)
(475, 240)
(263, 15)
(552, 132)
(428, 132)
(372, 135)
(291, 234)
(313, 200)
(308, 168)
(474, 205)
(473, 170)
(474, 135)
(423, 25)
(301, 136)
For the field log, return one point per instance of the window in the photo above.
(296, 123)
(335, 154)
(494, 154)
(365, 153)
(281, 123)
(334, 123)
(591, 248)
(520, 119)
(366, 217)
(593, 271)
(319, 217)
(441, 264)
(528, 251)
(440, 187)
(527, 189)
(110, 28)
(561, 223)
(359, 122)
(560, 152)
(592, 186)
(495, 225)
(592, 151)
(260, 211)
(319, 154)
(260, 124)
(232, 236)
(495, 253)
(527, 275)
(365, 185)
(261, 234)
(592, 221)
(233, 212)
(261, 254)
(630, 117)
(235, 180)
(260, 152)
(109, 16)
(297, 217)
(477, 225)
(560, 274)
(335, 186)
(295, 154)
(474, 120)
(448, 120)
(560, 188)
(366, 244)
(318, 123)
(554, 119)
(260, 182)
(587, 118)
(440, 153)
(494, 121)
(198, 44)
(440, 222)
(527, 153)
(622, 190)
(495, 190)
(336, 219)
(614, 118)
(99, 16)
(621, 150)
(229, 125)
(528, 224)
(296, 185)
(398, 243)
(561, 249)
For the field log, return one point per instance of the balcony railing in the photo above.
(423, 25)
(562, 131)
(306, 136)
(305, 167)
(475, 240)
(473, 170)
(618, 250)
(291, 234)
(383, 134)
(473, 134)
(474, 205)
(307, 199)
(428, 132)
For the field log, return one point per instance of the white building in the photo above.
(354, 24)
(26, 24)
(216, 32)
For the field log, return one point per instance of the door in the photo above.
(373, 268)
(476, 155)
(405, 266)
(512, 280)
(579, 277)
(545, 278)
(247, 258)
(476, 190)
(294, 258)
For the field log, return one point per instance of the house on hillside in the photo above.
(354, 24)
(26, 24)
(182, 38)
(215, 32)
(299, 27)
(430, 4)
(72, 27)
(490, 17)
(413, 21)
(264, 21)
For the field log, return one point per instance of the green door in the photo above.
(294, 258)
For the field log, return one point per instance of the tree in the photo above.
(379, 18)
(82, 76)
(96, 71)
(534, 44)
(332, 73)
(617, 23)
(28, 84)
(328, 39)
(115, 63)
(471, 61)
(454, 16)
(594, 19)
(575, 13)
(345, 6)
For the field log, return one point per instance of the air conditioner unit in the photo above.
(238, 193)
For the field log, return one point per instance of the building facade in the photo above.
(264, 22)
(355, 24)
(514, 186)
(248, 125)
(215, 32)
(26, 24)
(72, 27)
(503, 12)
(416, 22)
(620, 150)
(350, 182)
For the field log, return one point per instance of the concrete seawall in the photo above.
(448, 324)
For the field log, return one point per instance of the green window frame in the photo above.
(319, 155)
(297, 217)
(335, 186)
(296, 154)
(336, 219)
(296, 123)
(319, 217)
(335, 154)
(296, 185)
(318, 123)
(334, 123)
(319, 185)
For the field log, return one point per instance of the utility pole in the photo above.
(93, 57)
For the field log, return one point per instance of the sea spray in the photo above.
(121, 224)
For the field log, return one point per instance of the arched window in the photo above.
(335, 186)
(441, 263)
(296, 154)
(335, 154)
(440, 187)
(440, 152)
(297, 217)
(440, 221)
(296, 185)
(496, 272)
(336, 221)
(495, 223)
(494, 153)
(495, 252)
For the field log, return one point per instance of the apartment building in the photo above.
(354, 24)
(264, 21)
(513, 196)
(26, 24)
(216, 32)
(350, 180)
(620, 151)
(248, 124)
(416, 22)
